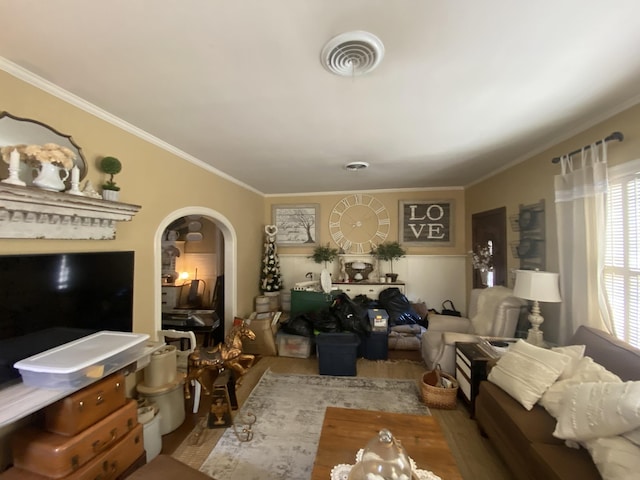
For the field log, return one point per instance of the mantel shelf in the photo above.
(29, 212)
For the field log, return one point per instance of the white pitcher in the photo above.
(50, 177)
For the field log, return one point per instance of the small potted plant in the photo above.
(389, 251)
(110, 166)
(324, 254)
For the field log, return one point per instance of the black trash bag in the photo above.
(352, 317)
(325, 321)
(398, 307)
(299, 325)
(365, 302)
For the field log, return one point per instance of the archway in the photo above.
(230, 261)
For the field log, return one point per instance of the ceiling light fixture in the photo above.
(356, 166)
(352, 53)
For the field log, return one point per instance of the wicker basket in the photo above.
(433, 394)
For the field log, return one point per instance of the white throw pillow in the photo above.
(597, 409)
(575, 352)
(586, 371)
(525, 371)
(615, 457)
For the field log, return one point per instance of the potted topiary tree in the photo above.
(389, 251)
(324, 254)
(110, 166)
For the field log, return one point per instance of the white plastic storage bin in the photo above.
(77, 364)
(294, 345)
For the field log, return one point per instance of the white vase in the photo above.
(111, 195)
(50, 177)
(484, 276)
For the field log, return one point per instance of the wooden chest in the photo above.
(108, 464)
(55, 456)
(85, 407)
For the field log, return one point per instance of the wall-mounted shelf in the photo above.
(29, 212)
(530, 248)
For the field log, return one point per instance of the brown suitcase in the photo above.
(85, 407)
(107, 465)
(55, 456)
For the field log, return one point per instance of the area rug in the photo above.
(289, 412)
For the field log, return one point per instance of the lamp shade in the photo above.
(537, 285)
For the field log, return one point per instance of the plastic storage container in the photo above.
(77, 364)
(304, 302)
(293, 345)
(374, 346)
(337, 353)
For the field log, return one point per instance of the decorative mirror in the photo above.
(15, 131)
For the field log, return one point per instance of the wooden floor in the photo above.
(474, 454)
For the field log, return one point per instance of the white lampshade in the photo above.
(537, 285)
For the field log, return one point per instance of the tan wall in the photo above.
(391, 201)
(163, 183)
(532, 180)
(151, 177)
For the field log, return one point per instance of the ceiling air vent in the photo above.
(356, 166)
(352, 53)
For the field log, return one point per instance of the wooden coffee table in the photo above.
(346, 430)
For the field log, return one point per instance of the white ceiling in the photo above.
(464, 89)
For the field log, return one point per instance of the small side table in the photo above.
(471, 369)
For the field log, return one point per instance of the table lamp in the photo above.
(539, 287)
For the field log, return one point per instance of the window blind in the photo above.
(622, 255)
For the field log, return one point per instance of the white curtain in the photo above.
(581, 208)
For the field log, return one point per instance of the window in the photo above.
(622, 256)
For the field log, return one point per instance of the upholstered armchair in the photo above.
(493, 312)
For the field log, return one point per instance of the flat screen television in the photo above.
(47, 300)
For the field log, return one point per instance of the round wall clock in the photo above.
(359, 222)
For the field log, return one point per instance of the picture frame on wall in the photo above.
(426, 222)
(297, 224)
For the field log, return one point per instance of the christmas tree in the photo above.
(270, 280)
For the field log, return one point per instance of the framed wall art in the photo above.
(427, 222)
(297, 224)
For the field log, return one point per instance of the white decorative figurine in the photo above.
(14, 167)
(90, 191)
(75, 181)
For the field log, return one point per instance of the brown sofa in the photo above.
(524, 438)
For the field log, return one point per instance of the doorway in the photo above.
(489, 229)
(205, 250)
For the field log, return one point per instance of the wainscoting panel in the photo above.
(430, 278)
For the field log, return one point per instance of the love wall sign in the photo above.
(427, 222)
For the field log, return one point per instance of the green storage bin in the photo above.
(304, 302)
